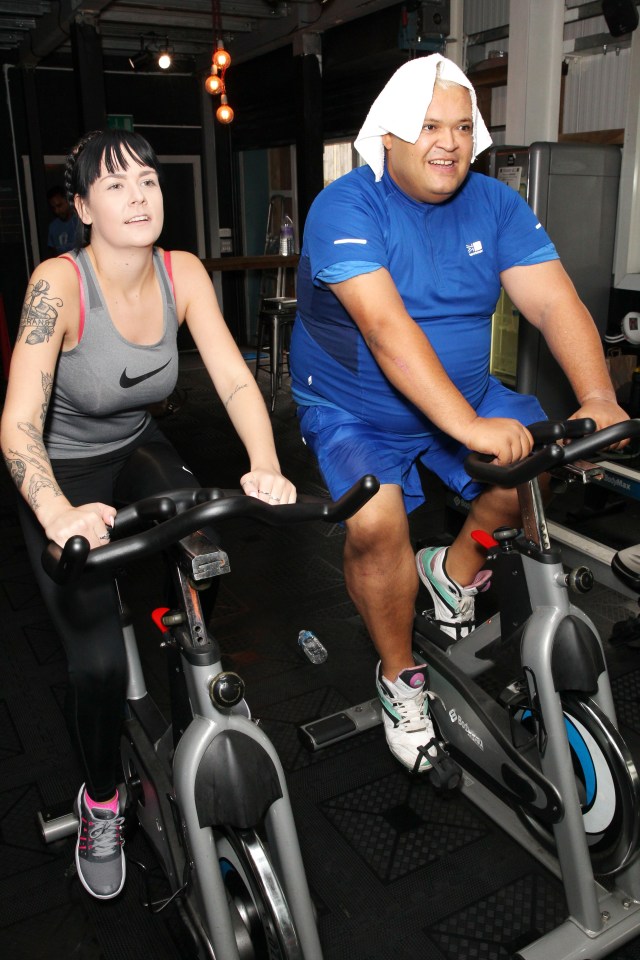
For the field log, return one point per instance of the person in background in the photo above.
(96, 346)
(400, 271)
(63, 229)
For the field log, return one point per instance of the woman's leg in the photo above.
(156, 467)
(87, 618)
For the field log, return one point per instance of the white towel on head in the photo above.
(401, 107)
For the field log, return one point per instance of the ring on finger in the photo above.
(105, 536)
(265, 493)
(277, 499)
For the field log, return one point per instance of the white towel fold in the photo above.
(401, 107)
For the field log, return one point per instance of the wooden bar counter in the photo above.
(260, 262)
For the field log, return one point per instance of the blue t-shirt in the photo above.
(62, 234)
(445, 260)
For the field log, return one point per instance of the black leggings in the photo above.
(86, 614)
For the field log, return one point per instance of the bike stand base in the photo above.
(318, 734)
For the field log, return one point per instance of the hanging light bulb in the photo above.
(214, 83)
(221, 59)
(224, 113)
(164, 59)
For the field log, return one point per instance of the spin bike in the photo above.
(545, 759)
(207, 788)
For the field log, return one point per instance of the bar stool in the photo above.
(274, 325)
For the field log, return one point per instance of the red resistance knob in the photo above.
(484, 539)
(157, 616)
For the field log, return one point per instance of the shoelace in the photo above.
(466, 608)
(411, 713)
(105, 836)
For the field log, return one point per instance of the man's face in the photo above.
(433, 168)
(60, 207)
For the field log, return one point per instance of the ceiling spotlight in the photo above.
(139, 59)
(164, 59)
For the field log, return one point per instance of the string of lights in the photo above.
(220, 60)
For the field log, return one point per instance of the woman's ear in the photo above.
(82, 210)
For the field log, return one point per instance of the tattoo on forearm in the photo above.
(37, 446)
(17, 468)
(39, 483)
(36, 457)
(34, 461)
(47, 386)
(40, 312)
(240, 386)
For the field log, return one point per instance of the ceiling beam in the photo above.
(303, 16)
(53, 29)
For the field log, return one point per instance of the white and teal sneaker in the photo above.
(454, 605)
(405, 715)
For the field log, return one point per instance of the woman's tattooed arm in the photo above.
(33, 455)
(39, 312)
(41, 476)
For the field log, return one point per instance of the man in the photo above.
(62, 229)
(400, 271)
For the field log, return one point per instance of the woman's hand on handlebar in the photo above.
(605, 413)
(92, 520)
(505, 439)
(269, 486)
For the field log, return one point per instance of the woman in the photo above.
(95, 348)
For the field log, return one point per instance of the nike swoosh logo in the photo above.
(126, 381)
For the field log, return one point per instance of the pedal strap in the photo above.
(467, 625)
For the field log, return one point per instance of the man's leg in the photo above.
(496, 507)
(382, 580)
(381, 577)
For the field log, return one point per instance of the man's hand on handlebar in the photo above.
(505, 439)
(605, 412)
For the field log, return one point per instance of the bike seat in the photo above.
(626, 566)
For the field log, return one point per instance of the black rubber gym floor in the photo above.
(396, 872)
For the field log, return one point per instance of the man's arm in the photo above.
(409, 362)
(545, 295)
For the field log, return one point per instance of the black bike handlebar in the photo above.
(180, 512)
(584, 443)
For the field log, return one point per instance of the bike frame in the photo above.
(599, 919)
(184, 770)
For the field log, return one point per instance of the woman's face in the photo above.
(124, 208)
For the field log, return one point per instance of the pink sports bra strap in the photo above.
(167, 263)
(82, 308)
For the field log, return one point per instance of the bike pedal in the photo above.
(445, 774)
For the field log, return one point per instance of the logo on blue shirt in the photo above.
(474, 248)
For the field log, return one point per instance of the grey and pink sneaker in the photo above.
(99, 855)
(405, 715)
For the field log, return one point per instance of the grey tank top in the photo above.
(103, 386)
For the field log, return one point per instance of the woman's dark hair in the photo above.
(83, 165)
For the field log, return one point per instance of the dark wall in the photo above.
(357, 60)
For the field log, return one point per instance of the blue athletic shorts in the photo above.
(346, 448)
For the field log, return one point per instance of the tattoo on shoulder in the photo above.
(37, 484)
(17, 468)
(240, 386)
(39, 313)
